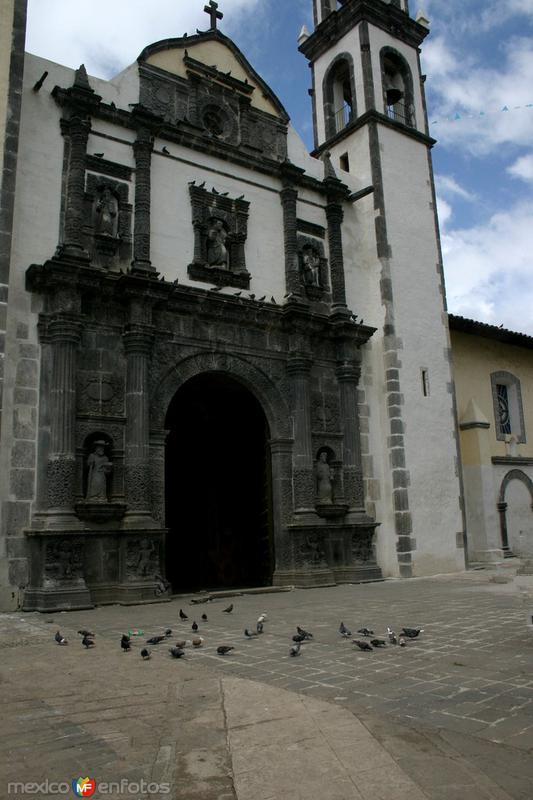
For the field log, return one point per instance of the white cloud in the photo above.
(447, 185)
(466, 89)
(444, 211)
(522, 168)
(107, 35)
(488, 269)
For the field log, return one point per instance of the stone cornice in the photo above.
(374, 116)
(383, 15)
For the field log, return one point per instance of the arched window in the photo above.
(507, 402)
(339, 95)
(397, 85)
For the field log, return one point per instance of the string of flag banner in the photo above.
(456, 117)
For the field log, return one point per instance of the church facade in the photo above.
(227, 360)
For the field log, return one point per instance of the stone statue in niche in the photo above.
(217, 253)
(106, 212)
(310, 266)
(324, 475)
(99, 467)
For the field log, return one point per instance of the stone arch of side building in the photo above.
(216, 371)
(508, 536)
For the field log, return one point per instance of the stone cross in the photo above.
(212, 10)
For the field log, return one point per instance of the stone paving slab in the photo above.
(450, 715)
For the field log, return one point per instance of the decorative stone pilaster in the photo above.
(76, 130)
(348, 375)
(335, 216)
(142, 149)
(137, 345)
(289, 198)
(298, 368)
(64, 332)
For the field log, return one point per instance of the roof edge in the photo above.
(499, 334)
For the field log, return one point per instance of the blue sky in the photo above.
(478, 60)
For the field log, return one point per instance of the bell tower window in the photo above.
(339, 95)
(397, 85)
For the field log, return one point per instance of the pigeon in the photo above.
(259, 627)
(393, 639)
(192, 183)
(303, 633)
(378, 642)
(204, 617)
(194, 626)
(112, 104)
(168, 632)
(156, 640)
(298, 638)
(86, 633)
(176, 652)
(273, 300)
(237, 294)
(262, 299)
(60, 639)
(249, 634)
(262, 617)
(241, 197)
(295, 649)
(145, 653)
(125, 643)
(224, 649)
(362, 645)
(412, 633)
(252, 297)
(344, 632)
(197, 641)
(181, 643)
(365, 631)
(99, 155)
(228, 610)
(165, 150)
(86, 642)
(183, 615)
(214, 191)
(216, 288)
(201, 185)
(402, 642)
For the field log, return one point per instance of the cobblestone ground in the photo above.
(466, 684)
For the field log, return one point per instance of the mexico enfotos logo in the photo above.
(86, 787)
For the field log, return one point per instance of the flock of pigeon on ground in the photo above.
(367, 644)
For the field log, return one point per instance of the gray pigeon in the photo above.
(259, 627)
(378, 642)
(344, 632)
(250, 634)
(304, 633)
(365, 631)
(145, 653)
(87, 642)
(362, 645)
(224, 649)
(60, 639)
(228, 610)
(295, 650)
(176, 652)
(412, 633)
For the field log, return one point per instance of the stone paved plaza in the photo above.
(452, 710)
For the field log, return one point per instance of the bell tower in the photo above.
(369, 114)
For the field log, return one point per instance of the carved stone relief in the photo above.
(142, 558)
(220, 230)
(108, 220)
(100, 393)
(313, 266)
(363, 547)
(63, 561)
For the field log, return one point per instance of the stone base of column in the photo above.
(304, 578)
(143, 269)
(59, 599)
(139, 521)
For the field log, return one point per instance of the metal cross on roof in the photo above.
(212, 10)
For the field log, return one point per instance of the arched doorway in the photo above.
(217, 487)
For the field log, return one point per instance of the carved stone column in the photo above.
(137, 345)
(64, 333)
(280, 454)
(299, 367)
(77, 130)
(348, 375)
(142, 149)
(289, 197)
(335, 216)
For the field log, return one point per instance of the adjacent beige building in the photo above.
(493, 370)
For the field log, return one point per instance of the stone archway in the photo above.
(221, 471)
(516, 515)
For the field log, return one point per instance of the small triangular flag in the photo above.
(457, 116)
(505, 108)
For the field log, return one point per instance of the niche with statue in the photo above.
(97, 483)
(329, 494)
